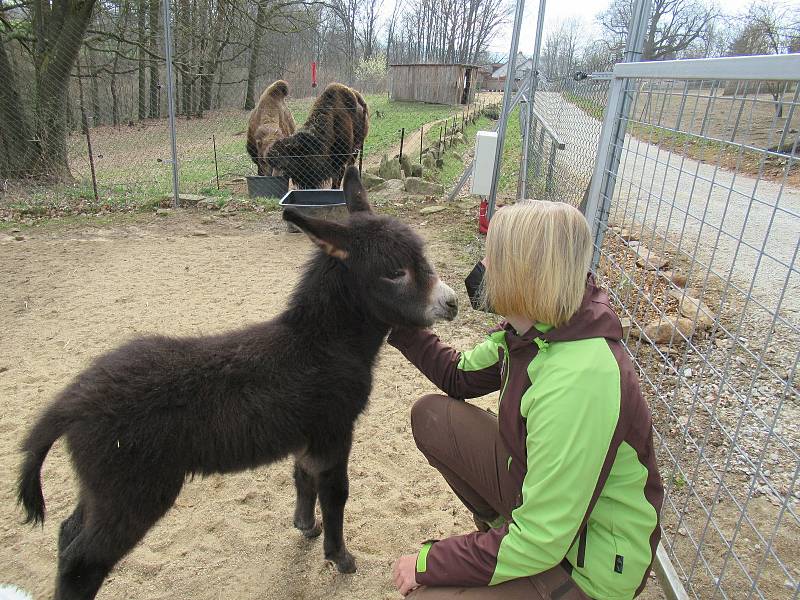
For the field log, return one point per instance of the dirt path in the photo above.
(68, 295)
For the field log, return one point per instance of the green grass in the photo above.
(590, 107)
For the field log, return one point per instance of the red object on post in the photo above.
(483, 217)
(314, 74)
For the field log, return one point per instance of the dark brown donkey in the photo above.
(156, 410)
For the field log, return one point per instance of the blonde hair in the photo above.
(537, 257)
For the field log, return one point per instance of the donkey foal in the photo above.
(146, 415)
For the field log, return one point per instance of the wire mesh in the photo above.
(700, 258)
(564, 129)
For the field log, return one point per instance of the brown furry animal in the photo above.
(327, 143)
(270, 121)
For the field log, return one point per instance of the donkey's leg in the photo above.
(333, 492)
(304, 518)
(112, 526)
(70, 528)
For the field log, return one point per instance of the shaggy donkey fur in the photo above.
(156, 410)
(328, 141)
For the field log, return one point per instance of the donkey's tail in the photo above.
(50, 426)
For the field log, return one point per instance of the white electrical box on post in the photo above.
(485, 153)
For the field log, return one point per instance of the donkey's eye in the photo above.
(397, 274)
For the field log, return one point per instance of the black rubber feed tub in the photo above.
(261, 186)
(316, 204)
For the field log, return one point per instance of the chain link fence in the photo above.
(696, 204)
(565, 121)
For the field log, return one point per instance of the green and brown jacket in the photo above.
(578, 434)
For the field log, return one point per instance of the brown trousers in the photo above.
(462, 442)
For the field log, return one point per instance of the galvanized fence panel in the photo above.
(696, 205)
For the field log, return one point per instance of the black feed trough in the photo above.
(261, 186)
(316, 204)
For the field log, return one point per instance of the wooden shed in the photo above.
(434, 83)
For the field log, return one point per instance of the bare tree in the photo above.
(674, 27)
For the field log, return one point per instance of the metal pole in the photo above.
(421, 142)
(533, 83)
(85, 126)
(612, 137)
(170, 99)
(216, 164)
(501, 130)
(402, 137)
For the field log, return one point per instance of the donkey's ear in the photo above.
(354, 193)
(332, 238)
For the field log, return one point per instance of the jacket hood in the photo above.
(595, 318)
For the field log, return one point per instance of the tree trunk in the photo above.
(141, 62)
(40, 150)
(113, 89)
(155, 85)
(15, 134)
(255, 51)
(97, 115)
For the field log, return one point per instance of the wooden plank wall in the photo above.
(437, 84)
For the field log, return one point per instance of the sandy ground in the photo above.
(67, 295)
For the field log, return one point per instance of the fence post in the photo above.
(612, 137)
(537, 159)
(171, 99)
(421, 142)
(402, 138)
(548, 186)
(523, 171)
(501, 130)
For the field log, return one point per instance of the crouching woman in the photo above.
(563, 482)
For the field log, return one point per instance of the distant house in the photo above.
(496, 82)
(434, 83)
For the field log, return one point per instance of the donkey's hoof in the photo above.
(344, 561)
(311, 530)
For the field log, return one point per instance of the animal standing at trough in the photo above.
(270, 121)
(144, 417)
(327, 143)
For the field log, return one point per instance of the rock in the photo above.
(687, 373)
(692, 307)
(163, 212)
(429, 161)
(208, 220)
(649, 260)
(405, 165)
(3, 369)
(370, 180)
(678, 279)
(15, 230)
(459, 138)
(416, 170)
(628, 236)
(626, 326)
(429, 210)
(208, 204)
(185, 199)
(392, 185)
(390, 169)
(19, 238)
(415, 185)
(666, 329)
(457, 155)
(199, 233)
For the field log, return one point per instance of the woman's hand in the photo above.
(404, 573)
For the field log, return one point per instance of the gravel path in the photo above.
(742, 227)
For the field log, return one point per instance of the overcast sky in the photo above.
(557, 11)
(560, 10)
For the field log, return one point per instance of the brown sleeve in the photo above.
(439, 363)
(463, 560)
